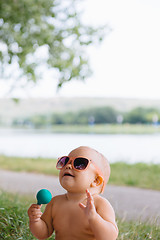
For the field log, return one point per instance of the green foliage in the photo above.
(97, 115)
(38, 120)
(137, 115)
(54, 26)
(141, 115)
(83, 117)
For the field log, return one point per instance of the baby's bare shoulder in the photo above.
(103, 207)
(99, 200)
(105, 210)
(58, 199)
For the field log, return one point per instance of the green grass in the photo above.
(136, 230)
(136, 175)
(13, 217)
(103, 129)
(14, 222)
(36, 165)
(107, 129)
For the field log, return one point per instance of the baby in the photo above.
(81, 213)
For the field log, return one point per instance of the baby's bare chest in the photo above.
(70, 223)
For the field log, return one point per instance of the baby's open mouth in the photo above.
(68, 174)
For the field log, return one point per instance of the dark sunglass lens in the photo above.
(80, 163)
(62, 162)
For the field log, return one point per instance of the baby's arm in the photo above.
(40, 224)
(102, 221)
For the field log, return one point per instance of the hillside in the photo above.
(27, 107)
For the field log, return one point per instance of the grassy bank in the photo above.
(101, 129)
(107, 129)
(138, 175)
(36, 165)
(14, 221)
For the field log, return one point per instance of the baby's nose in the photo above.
(68, 166)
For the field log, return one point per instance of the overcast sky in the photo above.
(127, 64)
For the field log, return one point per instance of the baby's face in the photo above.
(79, 181)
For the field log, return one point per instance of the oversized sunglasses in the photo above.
(79, 164)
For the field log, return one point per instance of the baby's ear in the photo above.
(98, 181)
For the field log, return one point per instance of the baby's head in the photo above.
(99, 161)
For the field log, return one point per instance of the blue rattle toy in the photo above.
(43, 196)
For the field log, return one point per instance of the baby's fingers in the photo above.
(34, 217)
(34, 212)
(82, 206)
(36, 206)
(89, 197)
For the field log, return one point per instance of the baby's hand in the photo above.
(34, 212)
(89, 209)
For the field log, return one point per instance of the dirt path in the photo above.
(129, 203)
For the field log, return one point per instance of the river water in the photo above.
(118, 147)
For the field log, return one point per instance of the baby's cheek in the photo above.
(84, 182)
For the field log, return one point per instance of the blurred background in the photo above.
(80, 73)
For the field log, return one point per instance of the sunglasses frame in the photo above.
(71, 161)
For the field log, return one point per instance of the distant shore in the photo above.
(107, 129)
(30, 106)
(94, 129)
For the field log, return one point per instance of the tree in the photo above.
(136, 115)
(54, 25)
